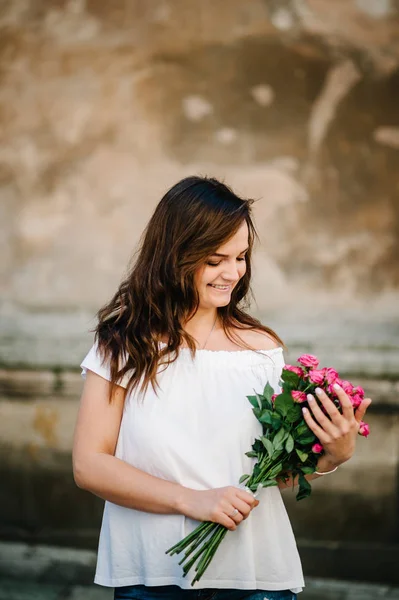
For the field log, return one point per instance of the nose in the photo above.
(230, 272)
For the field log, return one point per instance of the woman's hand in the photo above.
(337, 432)
(228, 506)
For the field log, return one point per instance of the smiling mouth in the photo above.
(222, 288)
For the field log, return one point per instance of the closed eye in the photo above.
(216, 264)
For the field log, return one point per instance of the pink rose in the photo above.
(364, 429)
(347, 386)
(356, 400)
(358, 390)
(330, 374)
(308, 360)
(316, 376)
(296, 370)
(317, 448)
(273, 398)
(331, 391)
(298, 396)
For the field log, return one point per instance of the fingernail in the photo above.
(310, 398)
(304, 410)
(319, 391)
(336, 386)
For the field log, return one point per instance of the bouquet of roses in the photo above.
(287, 448)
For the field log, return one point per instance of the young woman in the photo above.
(164, 421)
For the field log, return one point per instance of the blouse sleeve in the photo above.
(93, 362)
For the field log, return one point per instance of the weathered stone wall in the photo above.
(103, 106)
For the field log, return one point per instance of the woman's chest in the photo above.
(199, 418)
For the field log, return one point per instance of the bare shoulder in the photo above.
(258, 339)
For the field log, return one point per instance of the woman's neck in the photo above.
(201, 325)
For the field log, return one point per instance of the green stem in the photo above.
(197, 542)
(179, 547)
(210, 545)
(308, 387)
(264, 469)
(193, 559)
(206, 559)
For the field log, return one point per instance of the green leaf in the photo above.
(256, 471)
(254, 401)
(308, 470)
(309, 439)
(289, 444)
(257, 446)
(273, 473)
(279, 439)
(291, 378)
(243, 478)
(268, 445)
(283, 403)
(280, 436)
(251, 454)
(257, 412)
(261, 400)
(268, 392)
(305, 489)
(269, 483)
(266, 417)
(302, 455)
(294, 413)
(276, 421)
(301, 429)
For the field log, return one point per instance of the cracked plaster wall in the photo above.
(103, 106)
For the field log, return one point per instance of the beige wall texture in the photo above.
(103, 106)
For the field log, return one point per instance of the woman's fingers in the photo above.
(361, 410)
(320, 417)
(347, 408)
(331, 409)
(313, 426)
(235, 515)
(227, 522)
(246, 497)
(243, 508)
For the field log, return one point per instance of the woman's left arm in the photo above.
(337, 432)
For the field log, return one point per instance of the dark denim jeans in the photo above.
(173, 592)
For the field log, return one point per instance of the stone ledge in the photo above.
(54, 564)
(39, 384)
(50, 572)
(34, 384)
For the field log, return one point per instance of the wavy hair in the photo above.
(192, 220)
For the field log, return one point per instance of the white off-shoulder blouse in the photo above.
(195, 432)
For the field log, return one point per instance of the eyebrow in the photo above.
(226, 255)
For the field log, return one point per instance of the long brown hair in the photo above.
(193, 219)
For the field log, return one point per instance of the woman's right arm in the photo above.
(97, 470)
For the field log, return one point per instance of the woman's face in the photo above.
(222, 271)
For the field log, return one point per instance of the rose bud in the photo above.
(358, 390)
(317, 448)
(364, 429)
(356, 400)
(316, 376)
(308, 360)
(298, 396)
(330, 374)
(346, 386)
(273, 398)
(296, 370)
(331, 391)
